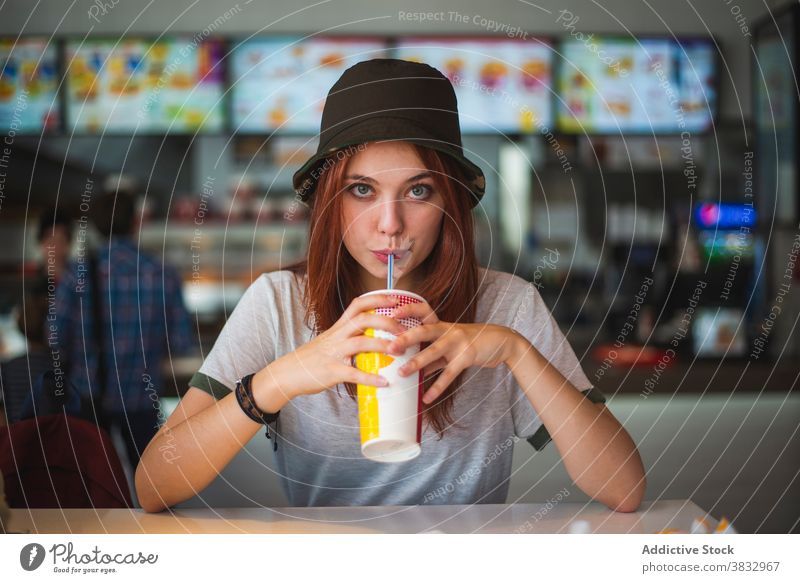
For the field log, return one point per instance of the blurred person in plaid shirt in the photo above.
(144, 321)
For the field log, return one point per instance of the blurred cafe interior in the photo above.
(641, 173)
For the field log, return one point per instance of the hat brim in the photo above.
(385, 128)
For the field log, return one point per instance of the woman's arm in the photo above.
(598, 453)
(201, 437)
(198, 440)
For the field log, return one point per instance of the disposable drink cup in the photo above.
(390, 417)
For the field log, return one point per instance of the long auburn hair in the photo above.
(450, 272)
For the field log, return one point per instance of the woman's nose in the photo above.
(390, 219)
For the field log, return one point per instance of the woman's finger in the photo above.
(358, 344)
(366, 303)
(431, 354)
(351, 374)
(424, 333)
(345, 350)
(421, 311)
(448, 375)
(433, 367)
(360, 323)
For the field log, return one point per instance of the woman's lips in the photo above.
(384, 257)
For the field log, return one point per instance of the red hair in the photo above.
(449, 273)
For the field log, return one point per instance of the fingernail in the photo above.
(383, 382)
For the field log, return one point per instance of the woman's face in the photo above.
(390, 202)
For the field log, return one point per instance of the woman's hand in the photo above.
(325, 361)
(453, 347)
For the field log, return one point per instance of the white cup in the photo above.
(390, 417)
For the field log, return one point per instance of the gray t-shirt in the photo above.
(319, 456)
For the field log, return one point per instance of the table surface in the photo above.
(478, 518)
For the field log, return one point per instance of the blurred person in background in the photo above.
(20, 374)
(40, 276)
(126, 308)
(54, 236)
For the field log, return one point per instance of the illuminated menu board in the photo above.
(636, 86)
(28, 86)
(282, 83)
(501, 85)
(137, 85)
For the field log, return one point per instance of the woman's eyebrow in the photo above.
(372, 180)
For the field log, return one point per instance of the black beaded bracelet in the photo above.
(244, 396)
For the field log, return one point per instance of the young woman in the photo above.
(390, 177)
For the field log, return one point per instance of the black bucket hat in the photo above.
(390, 99)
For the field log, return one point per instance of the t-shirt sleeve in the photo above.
(534, 321)
(245, 345)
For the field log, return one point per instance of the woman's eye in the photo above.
(420, 190)
(360, 189)
(417, 191)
